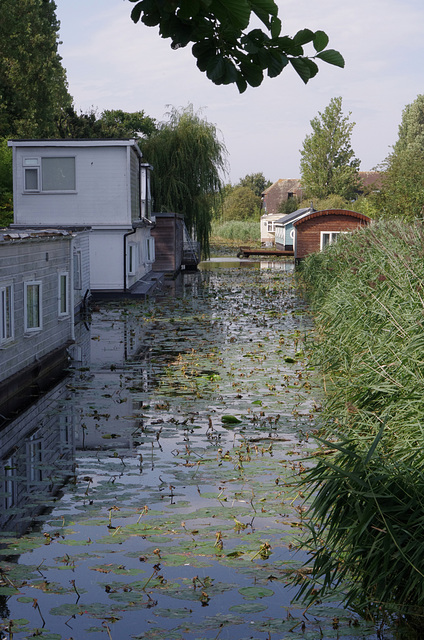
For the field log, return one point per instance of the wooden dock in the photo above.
(246, 252)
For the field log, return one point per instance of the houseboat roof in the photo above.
(293, 216)
(329, 212)
(10, 235)
(81, 142)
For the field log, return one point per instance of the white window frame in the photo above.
(10, 489)
(77, 269)
(63, 300)
(33, 328)
(36, 164)
(333, 237)
(7, 324)
(271, 226)
(150, 250)
(34, 447)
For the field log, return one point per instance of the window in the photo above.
(8, 471)
(150, 250)
(77, 270)
(49, 174)
(32, 306)
(34, 458)
(6, 313)
(328, 237)
(271, 227)
(132, 258)
(63, 297)
(58, 174)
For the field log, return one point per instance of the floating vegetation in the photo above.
(182, 516)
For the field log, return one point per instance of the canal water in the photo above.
(154, 492)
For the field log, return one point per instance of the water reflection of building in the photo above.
(37, 452)
(114, 364)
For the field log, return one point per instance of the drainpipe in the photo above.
(71, 287)
(130, 233)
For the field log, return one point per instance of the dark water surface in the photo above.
(183, 430)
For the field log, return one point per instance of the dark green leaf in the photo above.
(136, 12)
(332, 57)
(320, 40)
(303, 36)
(275, 27)
(236, 12)
(303, 70)
(277, 62)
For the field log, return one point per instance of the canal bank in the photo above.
(191, 417)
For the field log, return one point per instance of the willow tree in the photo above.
(189, 162)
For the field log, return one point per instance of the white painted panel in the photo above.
(102, 188)
(107, 260)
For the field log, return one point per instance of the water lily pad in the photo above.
(173, 613)
(228, 419)
(256, 592)
(249, 607)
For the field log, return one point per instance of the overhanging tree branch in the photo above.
(224, 50)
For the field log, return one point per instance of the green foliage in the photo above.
(243, 231)
(188, 159)
(6, 185)
(328, 164)
(332, 201)
(411, 128)
(33, 87)
(256, 182)
(402, 193)
(289, 205)
(369, 205)
(367, 513)
(224, 50)
(242, 204)
(110, 124)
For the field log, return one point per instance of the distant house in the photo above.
(102, 185)
(314, 230)
(284, 229)
(370, 181)
(279, 192)
(36, 312)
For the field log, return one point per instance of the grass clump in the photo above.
(236, 230)
(367, 516)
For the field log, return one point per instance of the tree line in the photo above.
(187, 151)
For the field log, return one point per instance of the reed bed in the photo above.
(238, 230)
(367, 489)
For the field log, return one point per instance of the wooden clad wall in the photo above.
(308, 231)
(168, 235)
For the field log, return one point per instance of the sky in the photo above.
(112, 63)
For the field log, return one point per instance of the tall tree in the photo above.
(328, 164)
(223, 47)
(6, 184)
(256, 182)
(188, 159)
(110, 124)
(241, 204)
(33, 87)
(402, 193)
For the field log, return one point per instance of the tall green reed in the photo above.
(367, 520)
